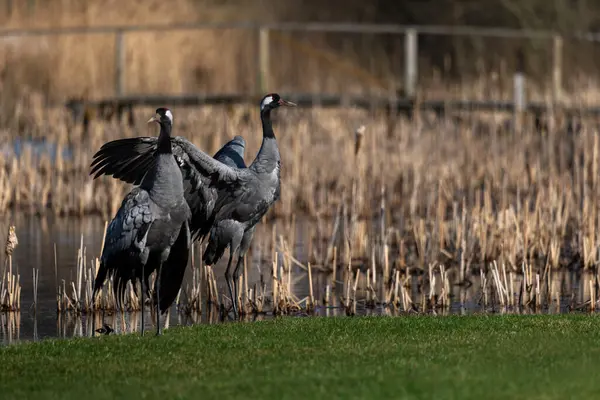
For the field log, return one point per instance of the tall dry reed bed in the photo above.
(457, 198)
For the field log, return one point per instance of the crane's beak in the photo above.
(283, 102)
(155, 118)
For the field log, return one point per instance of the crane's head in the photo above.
(272, 101)
(163, 116)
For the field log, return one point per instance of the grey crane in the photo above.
(227, 201)
(129, 159)
(245, 196)
(150, 231)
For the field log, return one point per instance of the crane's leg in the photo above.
(239, 262)
(157, 305)
(143, 298)
(241, 253)
(92, 313)
(228, 279)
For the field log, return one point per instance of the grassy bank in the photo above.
(415, 357)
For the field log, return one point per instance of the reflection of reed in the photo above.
(10, 324)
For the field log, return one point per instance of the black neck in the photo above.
(164, 139)
(265, 117)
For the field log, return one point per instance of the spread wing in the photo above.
(232, 153)
(125, 159)
(129, 159)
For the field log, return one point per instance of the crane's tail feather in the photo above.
(214, 251)
(100, 278)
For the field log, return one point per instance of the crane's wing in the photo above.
(202, 203)
(125, 159)
(173, 269)
(125, 239)
(129, 159)
(232, 153)
(242, 201)
(203, 164)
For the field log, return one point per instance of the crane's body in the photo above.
(151, 222)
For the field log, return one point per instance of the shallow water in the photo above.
(39, 236)
(50, 245)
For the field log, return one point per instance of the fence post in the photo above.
(557, 60)
(519, 90)
(410, 62)
(119, 63)
(263, 61)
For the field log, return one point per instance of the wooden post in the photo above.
(119, 64)
(557, 61)
(410, 62)
(263, 61)
(519, 90)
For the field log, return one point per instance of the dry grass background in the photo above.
(521, 193)
(60, 67)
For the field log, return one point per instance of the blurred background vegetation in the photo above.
(224, 60)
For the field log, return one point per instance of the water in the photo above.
(50, 245)
(36, 147)
(40, 236)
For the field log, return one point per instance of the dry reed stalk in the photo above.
(538, 297)
(275, 288)
(500, 285)
(311, 299)
(445, 295)
(334, 269)
(210, 295)
(386, 270)
(35, 280)
(484, 288)
(354, 288)
(502, 214)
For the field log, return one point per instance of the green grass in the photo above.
(474, 357)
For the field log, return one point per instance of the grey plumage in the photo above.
(151, 222)
(227, 201)
(129, 159)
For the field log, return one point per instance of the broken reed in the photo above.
(10, 282)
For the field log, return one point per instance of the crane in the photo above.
(150, 231)
(226, 201)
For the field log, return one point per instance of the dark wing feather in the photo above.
(125, 239)
(232, 153)
(241, 202)
(126, 159)
(129, 159)
(202, 206)
(199, 190)
(204, 164)
(173, 269)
